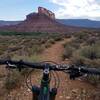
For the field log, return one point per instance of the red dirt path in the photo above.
(69, 89)
(67, 86)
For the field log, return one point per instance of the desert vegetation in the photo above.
(25, 46)
(84, 49)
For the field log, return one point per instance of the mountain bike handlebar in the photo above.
(40, 65)
(44, 92)
(23, 64)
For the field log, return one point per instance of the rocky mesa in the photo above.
(41, 21)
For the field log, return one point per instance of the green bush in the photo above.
(73, 44)
(82, 35)
(69, 48)
(51, 41)
(56, 37)
(36, 49)
(47, 45)
(12, 33)
(88, 56)
(91, 40)
(91, 52)
(33, 58)
(93, 79)
(68, 51)
(77, 59)
(13, 80)
(3, 49)
(67, 35)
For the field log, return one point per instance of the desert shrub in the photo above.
(67, 35)
(43, 41)
(69, 48)
(68, 51)
(73, 44)
(16, 78)
(80, 60)
(57, 38)
(82, 35)
(36, 49)
(33, 58)
(91, 40)
(90, 52)
(25, 71)
(51, 41)
(13, 80)
(47, 45)
(77, 59)
(93, 79)
(88, 56)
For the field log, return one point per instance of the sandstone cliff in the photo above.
(49, 13)
(43, 21)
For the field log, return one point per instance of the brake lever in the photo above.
(12, 66)
(75, 73)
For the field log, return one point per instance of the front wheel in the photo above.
(53, 93)
(35, 92)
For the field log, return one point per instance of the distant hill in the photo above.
(3, 23)
(72, 22)
(80, 22)
(42, 21)
(36, 22)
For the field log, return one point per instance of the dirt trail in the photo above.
(68, 90)
(54, 53)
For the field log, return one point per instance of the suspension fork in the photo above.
(45, 88)
(53, 93)
(44, 92)
(36, 91)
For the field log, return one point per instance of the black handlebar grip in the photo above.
(94, 71)
(3, 62)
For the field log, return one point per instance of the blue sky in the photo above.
(18, 9)
(69, 9)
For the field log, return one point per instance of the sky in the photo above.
(63, 9)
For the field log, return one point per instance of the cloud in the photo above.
(89, 9)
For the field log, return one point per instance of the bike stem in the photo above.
(44, 92)
(45, 82)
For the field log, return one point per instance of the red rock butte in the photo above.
(49, 13)
(42, 21)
